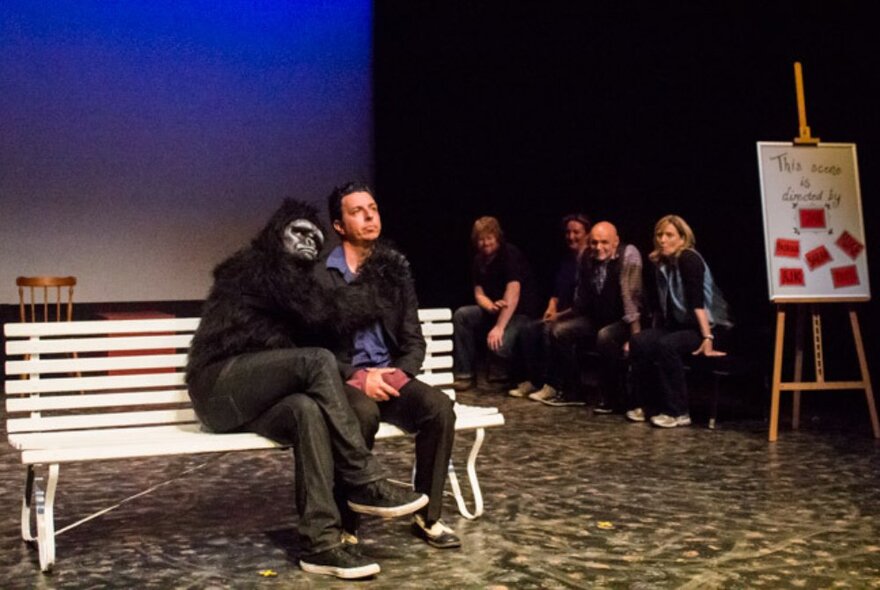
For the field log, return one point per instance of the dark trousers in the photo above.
(293, 396)
(471, 325)
(656, 357)
(426, 411)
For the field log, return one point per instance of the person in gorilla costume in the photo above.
(247, 372)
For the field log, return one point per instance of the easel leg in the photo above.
(798, 368)
(866, 377)
(777, 374)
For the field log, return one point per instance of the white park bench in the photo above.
(98, 390)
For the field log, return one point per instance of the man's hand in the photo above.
(494, 339)
(494, 307)
(376, 388)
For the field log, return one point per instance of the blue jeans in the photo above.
(293, 396)
(471, 325)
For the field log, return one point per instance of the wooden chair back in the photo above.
(42, 299)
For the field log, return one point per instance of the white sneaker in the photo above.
(635, 415)
(543, 394)
(523, 389)
(666, 421)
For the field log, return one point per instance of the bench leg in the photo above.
(26, 500)
(44, 502)
(472, 478)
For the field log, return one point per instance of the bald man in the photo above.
(608, 300)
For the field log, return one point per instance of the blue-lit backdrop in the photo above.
(142, 142)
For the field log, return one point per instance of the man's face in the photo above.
(302, 239)
(488, 244)
(360, 221)
(603, 241)
(576, 236)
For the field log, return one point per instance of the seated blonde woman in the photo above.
(690, 308)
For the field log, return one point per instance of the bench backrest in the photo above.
(130, 373)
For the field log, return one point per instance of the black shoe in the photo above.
(341, 563)
(464, 384)
(560, 399)
(380, 498)
(437, 535)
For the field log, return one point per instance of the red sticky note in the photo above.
(817, 257)
(812, 218)
(849, 244)
(790, 248)
(845, 276)
(791, 277)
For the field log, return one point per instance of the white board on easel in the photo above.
(814, 234)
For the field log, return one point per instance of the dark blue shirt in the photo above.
(566, 281)
(368, 345)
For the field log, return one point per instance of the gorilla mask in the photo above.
(302, 239)
(294, 232)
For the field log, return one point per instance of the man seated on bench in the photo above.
(379, 362)
(245, 372)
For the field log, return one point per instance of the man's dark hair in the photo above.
(334, 201)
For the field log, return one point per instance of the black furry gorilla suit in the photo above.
(247, 373)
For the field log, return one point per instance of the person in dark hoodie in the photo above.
(380, 361)
(247, 372)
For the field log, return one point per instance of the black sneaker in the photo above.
(341, 563)
(380, 498)
(560, 399)
(437, 535)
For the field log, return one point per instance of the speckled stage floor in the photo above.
(572, 501)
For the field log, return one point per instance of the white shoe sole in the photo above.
(392, 511)
(346, 573)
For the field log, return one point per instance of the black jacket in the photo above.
(385, 275)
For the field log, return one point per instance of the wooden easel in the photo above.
(820, 384)
(797, 386)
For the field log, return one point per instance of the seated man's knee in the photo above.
(443, 407)
(609, 343)
(436, 404)
(466, 316)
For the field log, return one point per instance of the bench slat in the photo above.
(438, 346)
(103, 400)
(78, 328)
(104, 436)
(437, 362)
(436, 379)
(87, 364)
(431, 330)
(190, 441)
(61, 384)
(435, 314)
(51, 346)
(44, 423)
